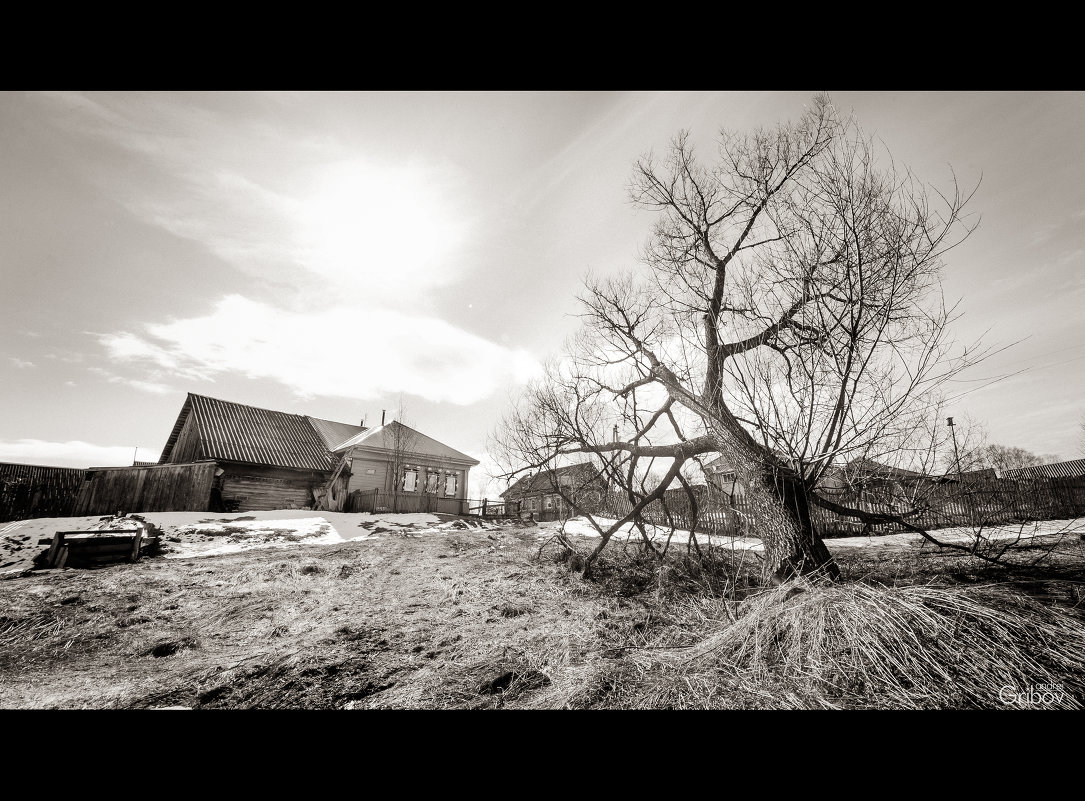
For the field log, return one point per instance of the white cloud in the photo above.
(74, 453)
(20, 363)
(339, 352)
(352, 245)
(154, 387)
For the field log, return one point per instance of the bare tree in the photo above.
(401, 442)
(788, 316)
(1003, 457)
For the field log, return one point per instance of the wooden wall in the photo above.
(36, 491)
(381, 478)
(362, 479)
(162, 488)
(256, 489)
(187, 448)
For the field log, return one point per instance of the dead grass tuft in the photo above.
(865, 646)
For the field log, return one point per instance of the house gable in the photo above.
(386, 438)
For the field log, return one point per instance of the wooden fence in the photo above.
(28, 491)
(162, 488)
(928, 506)
(378, 500)
(493, 509)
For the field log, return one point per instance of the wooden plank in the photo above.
(93, 547)
(97, 531)
(125, 534)
(137, 541)
(58, 542)
(99, 559)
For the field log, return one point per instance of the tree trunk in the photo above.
(795, 548)
(779, 506)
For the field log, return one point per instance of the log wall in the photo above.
(251, 488)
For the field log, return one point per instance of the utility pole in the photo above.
(957, 456)
(956, 453)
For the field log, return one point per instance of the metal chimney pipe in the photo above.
(382, 416)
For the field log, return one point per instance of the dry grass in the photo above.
(487, 620)
(915, 647)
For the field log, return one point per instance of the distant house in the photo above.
(546, 495)
(980, 475)
(871, 473)
(721, 476)
(861, 477)
(420, 473)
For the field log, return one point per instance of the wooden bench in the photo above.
(93, 548)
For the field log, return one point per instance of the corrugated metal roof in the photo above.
(411, 441)
(333, 433)
(239, 433)
(242, 433)
(1072, 469)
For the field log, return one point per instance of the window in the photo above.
(410, 479)
(549, 502)
(432, 477)
(450, 484)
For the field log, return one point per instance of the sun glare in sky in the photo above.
(387, 232)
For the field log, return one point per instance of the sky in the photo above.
(418, 254)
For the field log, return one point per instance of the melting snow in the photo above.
(964, 534)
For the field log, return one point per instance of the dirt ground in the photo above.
(454, 615)
(394, 619)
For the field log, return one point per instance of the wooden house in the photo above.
(398, 468)
(550, 494)
(225, 456)
(268, 459)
